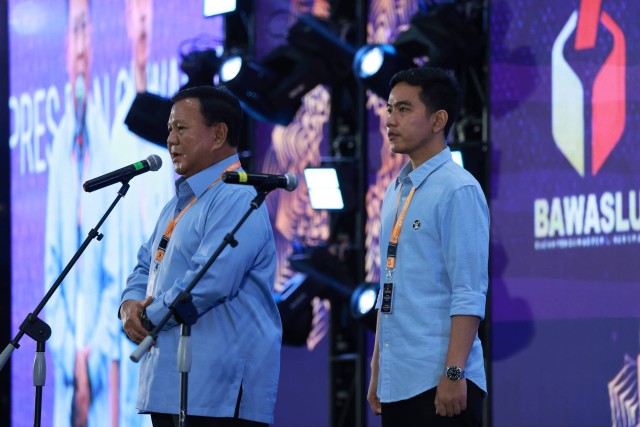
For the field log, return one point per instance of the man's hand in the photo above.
(130, 315)
(451, 397)
(372, 395)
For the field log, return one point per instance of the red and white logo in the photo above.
(608, 94)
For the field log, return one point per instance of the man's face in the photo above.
(139, 24)
(79, 47)
(409, 125)
(191, 142)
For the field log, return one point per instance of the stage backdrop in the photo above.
(107, 47)
(565, 196)
(50, 50)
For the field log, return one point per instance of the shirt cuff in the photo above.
(468, 304)
(157, 310)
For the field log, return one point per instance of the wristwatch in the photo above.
(454, 373)
(146, 322)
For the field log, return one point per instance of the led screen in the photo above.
(565, 205)
(74, 71)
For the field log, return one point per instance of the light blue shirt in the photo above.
(441, 271)
(236, 340)
(80, 312)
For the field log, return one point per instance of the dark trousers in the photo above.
(420, 411)
(169, 420)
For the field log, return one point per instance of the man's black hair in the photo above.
(439, 90)
(217, 105)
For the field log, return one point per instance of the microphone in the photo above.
(262, 182)
(123, 175)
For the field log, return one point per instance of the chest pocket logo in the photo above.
(416, 224)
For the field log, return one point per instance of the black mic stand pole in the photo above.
(37, 329)
(185, 313)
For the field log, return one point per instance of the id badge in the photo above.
(151, 283)
(387, 298)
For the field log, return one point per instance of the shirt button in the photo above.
(386, 345)
(386, 316)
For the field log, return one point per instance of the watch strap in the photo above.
(146, 322)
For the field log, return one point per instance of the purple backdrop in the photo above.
(565, 212)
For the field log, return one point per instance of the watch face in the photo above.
(454, 373)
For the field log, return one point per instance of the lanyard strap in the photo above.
(392, 248)
(162, 246)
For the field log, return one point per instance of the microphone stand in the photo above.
(38, 329)
(183, 310)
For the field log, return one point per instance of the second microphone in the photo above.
(262, 182)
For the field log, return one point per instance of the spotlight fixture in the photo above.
(271, 90)
(218, 7)
(294, 305)
(230, 68)
(363, 301)
(200, 60)
(148, 113)
(456, 155)
(200, 66)
(446, 36)
(147, 117)
(375, 64)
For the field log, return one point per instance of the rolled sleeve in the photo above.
(465, 236)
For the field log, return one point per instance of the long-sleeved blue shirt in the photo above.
(81, 311)
(236, 340)
(441, 271)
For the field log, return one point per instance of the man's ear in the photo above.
(220, 132)
(442, 117)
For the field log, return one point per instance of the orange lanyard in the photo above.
(397, 227)
(162, 246)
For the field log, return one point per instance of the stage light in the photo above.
(201, 66)
(375, 64)
(319, 274)
(445, 36)
(147, 116)
(271, 90)
(218, 7)
(370, 60)
(471, 155)
(294, 305)
(230, 68)
(457, 157)
(363, 301)
(320, 264)
(324, 188)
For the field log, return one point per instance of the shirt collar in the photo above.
(419, 175)
(200, 182)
